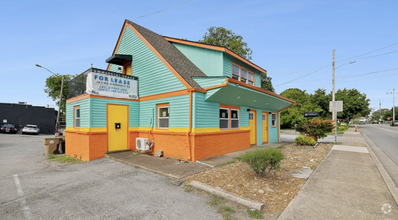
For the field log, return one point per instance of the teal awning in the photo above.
(237, 95)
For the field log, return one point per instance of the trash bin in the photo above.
(51, 145)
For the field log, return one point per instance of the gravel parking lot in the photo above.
(32, 188)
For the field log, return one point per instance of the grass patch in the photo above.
(280, 147)
(63, 158)
(215, 200)
(227, 163)
(255, 214)
(136, 154)
(225, 209)
(188, 189)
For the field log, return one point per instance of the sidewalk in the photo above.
(346, 185)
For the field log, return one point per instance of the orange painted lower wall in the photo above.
(88, 146)
(173, 144)
(77, 145)
(213, 144)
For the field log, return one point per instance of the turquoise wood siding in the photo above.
(227, 63)
(99, 109)
(244, 117)
(258, 79)
(153, 75)
(204, 114)
(178, 111)
(84, 113)
(209, 61)
(206, 82)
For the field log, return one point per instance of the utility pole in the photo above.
(334, 113)
(393, 104)
(380, 110)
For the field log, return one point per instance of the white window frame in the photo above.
(160, 117)
(227, 119)
(76, 117)
(273, 120)
(235, 119)
(248, 72)
(251, 82)
(238, 71)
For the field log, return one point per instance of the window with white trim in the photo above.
(273, 121)
(235, 72)
(224, 118)
(251, 79)
(77, 117)
(163, 117)
(234, 118)
(242, 74)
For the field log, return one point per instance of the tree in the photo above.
(220, 36)
(266, 82)
(385, 113)
(354, 104)
(295, 114)
(321, 99)
(53, 88)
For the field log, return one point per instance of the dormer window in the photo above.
(242, 74)
(235, 72)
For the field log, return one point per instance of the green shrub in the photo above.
(263, 160)
(304, 140)
(315, 127)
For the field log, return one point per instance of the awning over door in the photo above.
(119, 59)
(238, 95)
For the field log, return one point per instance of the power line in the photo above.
(378, 55)
(369, 52)
(303, 76)
(164, 9)
(351, 76)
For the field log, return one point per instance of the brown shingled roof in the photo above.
(184, 67)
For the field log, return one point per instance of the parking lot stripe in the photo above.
(25, 207)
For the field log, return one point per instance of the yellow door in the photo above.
(117, 124)
(252, 125)
(265, 127)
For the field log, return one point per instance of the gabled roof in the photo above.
(215, 47)
(177, 62)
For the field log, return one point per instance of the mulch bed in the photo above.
(277, 189)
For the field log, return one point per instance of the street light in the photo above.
(60, 97)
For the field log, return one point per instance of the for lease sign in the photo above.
(112, 85)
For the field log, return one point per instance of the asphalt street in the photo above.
(383, 140)
(33, 188)
(385, 137)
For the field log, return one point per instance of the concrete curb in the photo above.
(386, 177)
(141, 167)
(235, 198)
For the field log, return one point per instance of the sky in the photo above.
(292, 39)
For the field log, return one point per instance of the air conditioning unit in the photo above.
(142, 144)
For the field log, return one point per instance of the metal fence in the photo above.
(77, 85)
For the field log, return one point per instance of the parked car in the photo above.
(31, 129)
(375, 122)
(8, 128)
(394, 123)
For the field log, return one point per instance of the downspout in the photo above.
(190, 126)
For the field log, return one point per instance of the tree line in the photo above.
(355, 104)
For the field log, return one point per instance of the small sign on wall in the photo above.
(4, 120)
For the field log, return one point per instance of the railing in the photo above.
(77, 85)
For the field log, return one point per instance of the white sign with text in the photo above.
(112, 85)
